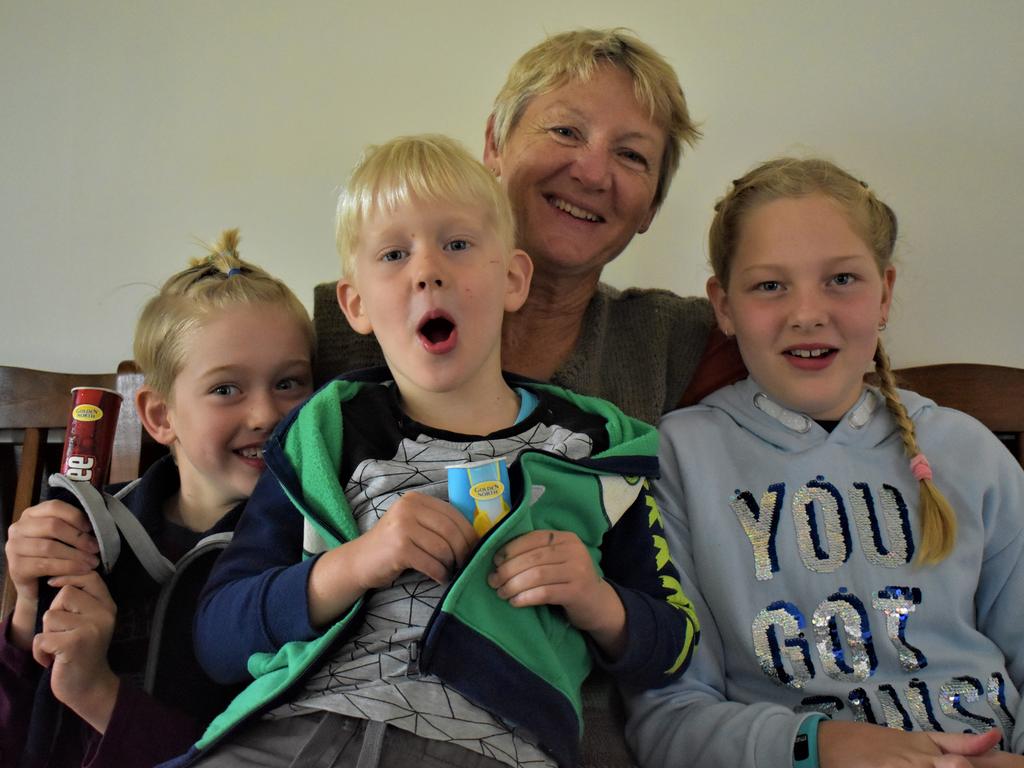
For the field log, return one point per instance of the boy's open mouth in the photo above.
(437, 332)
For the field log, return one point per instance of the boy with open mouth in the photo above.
(378, 625)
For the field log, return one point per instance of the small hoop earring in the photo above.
(882, 325)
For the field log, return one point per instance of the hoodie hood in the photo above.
(867, 424)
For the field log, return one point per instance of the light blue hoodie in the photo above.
(796, 546)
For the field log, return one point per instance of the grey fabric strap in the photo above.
(156, 565)
(373, 745)
(103, 525)
(214, 541)
(108, 515)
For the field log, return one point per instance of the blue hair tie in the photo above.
(234, 271)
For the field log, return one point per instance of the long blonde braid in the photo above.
(938, 520)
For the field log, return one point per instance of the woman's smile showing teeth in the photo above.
(574, 211)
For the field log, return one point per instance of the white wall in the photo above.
(131, 129)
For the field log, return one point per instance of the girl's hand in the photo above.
(418, 532)
(555, 568)
(76, 635)
(844, 744)
(50, 539)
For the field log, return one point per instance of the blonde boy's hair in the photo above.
(430, 168)
(574, 57)
(875, 223)
(188, 298)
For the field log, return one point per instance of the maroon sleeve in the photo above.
(19, 676)
(719, 365)
(142, 733)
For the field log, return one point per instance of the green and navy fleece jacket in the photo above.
(525, 665)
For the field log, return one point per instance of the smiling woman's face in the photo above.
(581, 168)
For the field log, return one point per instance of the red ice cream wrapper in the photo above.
(89, 441)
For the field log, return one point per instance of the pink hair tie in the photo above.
(920, 468)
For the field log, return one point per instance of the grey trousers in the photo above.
(329, 740)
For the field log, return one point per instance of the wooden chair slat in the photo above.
(993, 394)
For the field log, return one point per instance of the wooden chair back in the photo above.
(993, 394)
(35, 404)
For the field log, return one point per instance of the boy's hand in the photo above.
(844, 744)
(76, 635)
(555, 568)
(50, 539)
(418, 532)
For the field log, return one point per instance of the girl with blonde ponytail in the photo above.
(857, 553)
(226, 352)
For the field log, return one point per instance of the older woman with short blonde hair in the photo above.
(585, 137)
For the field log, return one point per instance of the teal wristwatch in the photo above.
(805, 745)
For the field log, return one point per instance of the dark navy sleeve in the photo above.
(255, 599)
(661, 624)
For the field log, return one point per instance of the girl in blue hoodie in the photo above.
(856, 553)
